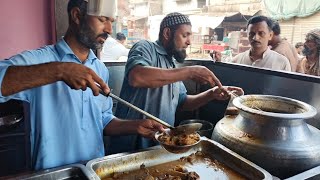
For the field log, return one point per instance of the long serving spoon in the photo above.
(186, 128)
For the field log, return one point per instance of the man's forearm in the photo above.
(19, 78)
(121, 127)
(149, 77)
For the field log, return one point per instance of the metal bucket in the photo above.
(205, 130)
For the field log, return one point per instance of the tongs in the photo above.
(186, 128)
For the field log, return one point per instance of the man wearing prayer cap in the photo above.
(68, 116)
(154, 83)
(310, 64)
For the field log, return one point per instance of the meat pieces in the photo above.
(179, 140)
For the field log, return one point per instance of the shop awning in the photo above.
(205, 21)
(238, 17)
(286, 9)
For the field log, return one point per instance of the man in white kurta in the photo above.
(270, 60)
(259, 55)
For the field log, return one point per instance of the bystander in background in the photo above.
(310, 64)
(114, 49)
(299, 48)
(259, 29)
(282, 46)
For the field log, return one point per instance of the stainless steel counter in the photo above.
(73, 171)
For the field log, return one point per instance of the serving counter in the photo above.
(208, 159)
(253, 80)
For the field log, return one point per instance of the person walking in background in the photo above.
(299, 48)
(121, 38)
(310, 64)
(283, 47)
(114, 49)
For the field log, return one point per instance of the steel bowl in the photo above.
(173, 148)
(206, 128)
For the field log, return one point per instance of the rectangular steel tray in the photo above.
(132, 161)
(74, 171)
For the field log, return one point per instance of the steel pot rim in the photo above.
(310, 111)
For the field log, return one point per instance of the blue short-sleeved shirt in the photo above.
(66, 125)
(161, 102)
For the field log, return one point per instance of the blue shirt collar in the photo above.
(64, 49)
(159, 48)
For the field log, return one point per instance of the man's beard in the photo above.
(88, 37)
(178, 54)
(307, 51)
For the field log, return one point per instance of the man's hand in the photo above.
(223, 93)
(78, 76)
(147, 128)
(216, 55)
(203, 75)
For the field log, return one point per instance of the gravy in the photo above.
(184, 168)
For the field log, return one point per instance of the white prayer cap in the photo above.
(107, 8)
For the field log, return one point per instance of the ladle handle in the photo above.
(136, 108)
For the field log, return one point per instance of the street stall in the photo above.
(213, 112)
(263, 80)
(273, 132)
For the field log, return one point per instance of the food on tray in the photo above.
(193, 167)
(179, 140)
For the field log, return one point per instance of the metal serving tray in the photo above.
(132, 161)
(74, 171)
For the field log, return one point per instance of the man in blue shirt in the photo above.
(153, 83)
(68, 116)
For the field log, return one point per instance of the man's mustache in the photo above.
(104, 35)
(252, 42)
(306, 51)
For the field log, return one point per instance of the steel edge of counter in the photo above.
(205, 62)
(293, 75)
(311, 173)
(93, 161)
(50, 172)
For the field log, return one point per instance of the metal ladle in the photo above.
(186, 128)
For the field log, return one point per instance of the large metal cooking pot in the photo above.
(271, 131)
